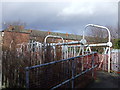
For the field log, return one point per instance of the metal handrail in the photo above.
(73, 77)
(36, 66)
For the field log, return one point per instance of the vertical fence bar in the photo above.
(104, 61)
(27, 77)
(82, 61)
(67, 51)
(74, 51)
(109, 59)
(92, 65)
(1, 53)
(73, 71)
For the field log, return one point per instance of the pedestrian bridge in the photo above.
(55, 65)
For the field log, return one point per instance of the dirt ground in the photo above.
(106, 80)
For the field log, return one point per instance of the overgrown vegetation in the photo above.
(116, 43)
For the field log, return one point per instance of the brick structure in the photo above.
(18, 35)
(12, 38)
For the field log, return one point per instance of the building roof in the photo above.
(36, 33)
(43, 34)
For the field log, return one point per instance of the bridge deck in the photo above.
(106, 80)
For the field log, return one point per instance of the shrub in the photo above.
(116, 44)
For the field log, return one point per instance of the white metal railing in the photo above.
(109, 44)
(71, 47)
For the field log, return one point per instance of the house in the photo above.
(18, 35)
(11, 37)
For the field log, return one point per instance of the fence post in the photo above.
(1, 43)
(27, 77)
(73, 72)
(92, 65)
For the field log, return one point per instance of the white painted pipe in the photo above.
(109, 36)
(52, 36)
(92, 45)
(109, 40)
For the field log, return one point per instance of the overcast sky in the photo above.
(61, 16)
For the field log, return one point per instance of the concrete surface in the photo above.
(106, 80)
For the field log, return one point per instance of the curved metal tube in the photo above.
(109, 39)
(109, 36)
(53, 36)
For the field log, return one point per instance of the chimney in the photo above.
(30, 31)
(21, 27)
(66, 34)
(49, 32)
(10, 27)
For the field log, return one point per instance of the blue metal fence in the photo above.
(58, 73)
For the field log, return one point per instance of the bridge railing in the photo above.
(65, 73)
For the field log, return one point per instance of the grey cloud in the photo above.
(47, 15)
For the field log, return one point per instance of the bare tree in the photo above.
(13, 25)
(101, 35)
(96, 35)
(114, 32)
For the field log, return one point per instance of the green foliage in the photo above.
(116, 44)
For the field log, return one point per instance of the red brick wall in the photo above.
(17, 38)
